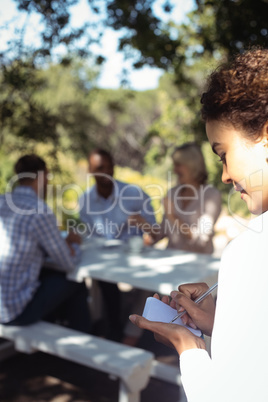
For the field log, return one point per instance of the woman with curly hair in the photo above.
(235, 110)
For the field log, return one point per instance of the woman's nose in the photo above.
(225, 177)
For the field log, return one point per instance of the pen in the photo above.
(198, 300)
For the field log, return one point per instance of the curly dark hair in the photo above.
(238, 92)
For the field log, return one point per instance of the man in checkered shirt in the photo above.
(29, 235)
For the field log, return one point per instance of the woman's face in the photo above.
(184, 173)
(244, 162)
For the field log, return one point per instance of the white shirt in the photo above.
(237, 370)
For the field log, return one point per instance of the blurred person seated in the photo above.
(111, 209)
(192, 207)
(29, 292)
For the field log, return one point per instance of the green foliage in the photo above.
(55, 17)
(49, 103)
(214, 26)
(126, 117)
(6, 171)
(68, 93)
(238, 24)
(146, 32)
(19, 113)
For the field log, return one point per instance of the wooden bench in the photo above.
(132, 366)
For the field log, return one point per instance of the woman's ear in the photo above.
(265, 129)
(265, 139)
(265, 135)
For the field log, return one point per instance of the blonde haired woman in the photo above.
(192, 207)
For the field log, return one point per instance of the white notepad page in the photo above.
(156, 310)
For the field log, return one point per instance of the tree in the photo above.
(215, 29)
(125, 117)
(19, 112)
(239, 24)
(30, 109)
(144, 35)
(233, 30)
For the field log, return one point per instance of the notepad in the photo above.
(156, 310)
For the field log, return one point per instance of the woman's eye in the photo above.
(222, 158)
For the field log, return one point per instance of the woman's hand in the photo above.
(173, 335)
(73, 237)
(169, 209)
(198, 315)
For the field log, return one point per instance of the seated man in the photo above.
(110, 208)
(29, 234)
(113, 210)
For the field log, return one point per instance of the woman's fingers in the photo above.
(169, 334)
(143, 323)
(165, 299)
(198, 315)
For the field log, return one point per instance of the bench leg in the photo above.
(126, 396)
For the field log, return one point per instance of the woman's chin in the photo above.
(255, 209)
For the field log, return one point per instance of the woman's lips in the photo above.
(240, 190)
(243, 193)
